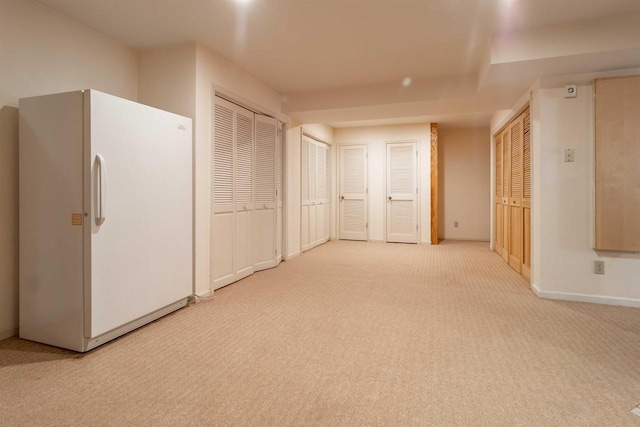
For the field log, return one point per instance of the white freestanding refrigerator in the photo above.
(105, 217)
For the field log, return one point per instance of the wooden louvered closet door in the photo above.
(515, 195)
(499, 225)
(506, 179)
(526, 195)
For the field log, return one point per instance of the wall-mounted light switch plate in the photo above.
(598, 267)
(569, 155)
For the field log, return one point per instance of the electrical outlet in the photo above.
(598, 267)
(455, 224)
(569, 155)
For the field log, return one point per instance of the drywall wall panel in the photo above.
(464, 197)
(43, 52)
(563, 213)
(8, 221)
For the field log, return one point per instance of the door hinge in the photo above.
(366, 191)
(416, 226)
(276, 252)
(367, 226)
(416, 191)
(416, 154)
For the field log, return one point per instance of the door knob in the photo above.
(341, 197)
(389, 197)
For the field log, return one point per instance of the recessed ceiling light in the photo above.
(406, 81)
(243, 1)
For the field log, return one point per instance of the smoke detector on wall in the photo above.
(570, 91)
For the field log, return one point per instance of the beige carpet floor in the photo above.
(348, 334)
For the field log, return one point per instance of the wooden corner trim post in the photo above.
(434, 183)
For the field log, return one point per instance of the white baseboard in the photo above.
(376, 241)
(8, 333)
(595, 299)
(293, 255)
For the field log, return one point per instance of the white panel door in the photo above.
(264, 207)
(353, 192)
(321, 182)
(402, 193)
(243, 177)
(141, 252)
(223, 209)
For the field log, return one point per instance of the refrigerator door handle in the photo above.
(102, 190)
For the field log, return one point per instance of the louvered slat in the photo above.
(223, 156)
(321, 154)
(244, 159)
(353, 216)
(506, 164)
(499, 166)
(265, 162)
(327, 194)
(526, 152)
(305, 170)
(279, 168)
(402, 217)
(402, 167)
(313, 169)
(516, 161)
(353, 165)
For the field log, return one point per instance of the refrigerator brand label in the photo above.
(76, 219)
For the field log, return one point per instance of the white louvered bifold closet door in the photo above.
(313, 192)
(244, 193)
(314, 226)
(402, 193)
(321, 182)
(353, 192)
(264, 208)
(279, 199)
(304, 186)
(232, 176)
(222, 219)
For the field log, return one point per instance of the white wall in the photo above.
(42, 52)
(464, 181)
(376, 138)
(563, 212)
